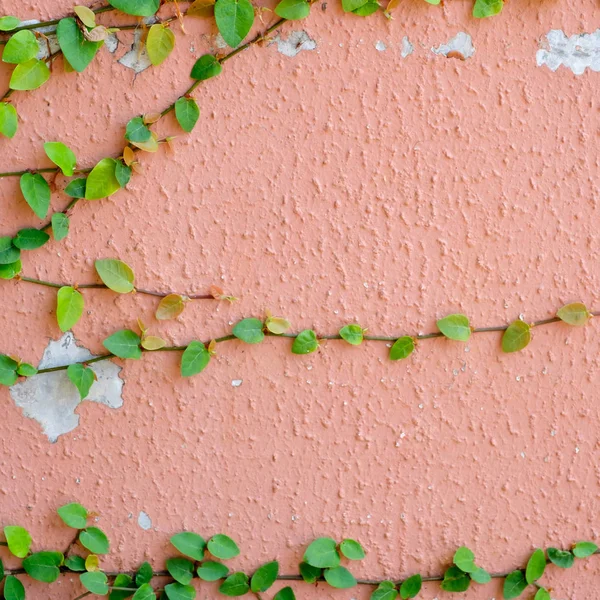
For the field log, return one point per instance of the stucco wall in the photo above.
(347, 183)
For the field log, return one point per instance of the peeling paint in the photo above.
(236, 382)
(407, 47)
(137, 58)
(144, 521)
(461, 44)
(296, 42)
(380, 46)
(220, 43)
(112, 43)
(51, 398)
(578, 52)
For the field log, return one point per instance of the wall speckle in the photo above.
(236, 382)
(296, 42)
(137, 58)
(380, 46)
(461, 44)
(407, 47)
(578, 52)
(144, 521)
(51, 398)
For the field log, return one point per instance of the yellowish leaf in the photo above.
(277, 325)
(142, 327)
(212, 347)
(98, 34)
(150, 146)
(151, 118)
(201, 8)
(170, 307)
(128, 155)
(137, 168)
(92, 563)
(392, 5)
(152, 342)
(86, 16)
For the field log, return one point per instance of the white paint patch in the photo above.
(137, 58)
(51, 398)
(578, 52)
(144, 521)
(461, 42)
(112, 43)
(236, 382)
(380, 46)
(220, 43)
(407, 47)
(296, 42)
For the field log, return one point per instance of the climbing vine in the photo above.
(324, 560)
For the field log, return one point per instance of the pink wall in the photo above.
(346, 184)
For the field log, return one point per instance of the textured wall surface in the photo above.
(363, 179)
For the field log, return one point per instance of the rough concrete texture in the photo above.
(341, 185)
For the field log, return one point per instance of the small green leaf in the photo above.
(181, 570)
(368, 9)
(17, 538)
(584, 549)
(94, 540)
(82, 378)
(536, 565)
(26, 370)
(60, 226)
(309, 573)
(75, 563)
(386, 590)
(352, 5)
(402, 348)
(574, 314)
(212, 571)
(264, 577)
(20, 48)
(190, 544)
(455, 327)
(144, 574)
(8, 252)
(43, 566)
(187, 113)
(137, 8)
(322, 553)
(116, 275)
(235, 585)
(516, 337)
(95, 582)
(234, 20)
(11, 270)
(159, 43)
(194, 360)
(352, 550)
(514, 585)
(205, 67)
(137, 131)
(480, 576)
(286, 593)
(13, 589)
(249, 331)
(293, 10)
(8, 376)
(305, 342)
(122, 173)
(122, 580)
(36, 192)
(464, 560)
(353, 334)
(542, 594)
(73, 515)
(455, 580)
(9, 122)
(223, 547)
(179, 591)
(124, 344)
(340, 578)
(411, 587)
(76, 189)
(102, 181)
(9, 23)
(30, 75)
(78, 51)
(62, 156)
(487, 8)
(561, 558)
(144, 592)
(30, 239)
(69, 307)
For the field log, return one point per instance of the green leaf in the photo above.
(73, 515)
(138, 8)
(411, 587)
(353, 334)
(264, 577)
(584, 549)
(13, 589)
(17, 538)
(234, 20)
(235, 585)
(9, 23)
(322, 553)
(102, 181)
(8, 120)
(62, 156)
(122, 173)
(487, 8)
(95, 582)
(43, 566)
(8, 252)
(305, 342)
(187, 113)
(94, 540)
(455, 327)
(178, 591)
(29, 75)
(309, 573)
(30, 239)
(514, 585)
(386, 590)
(75, 563)
(10, 270)
(137, 131)
(352, 5)
(116, 275)
(121, 580)
(124, 344)
(352, 550)
(144, 574)
(480, 576)
(536, 566)
(194, 359)
(205, 67)
(212, 571)
(78, 51)
(8, 376)
(286, 593)
(76, 189)
(26, 370)
(249, 331)
(574, 314)
(69, 307)
(516, 337)
(368, 9)
(542, 594)
(159, 43)
(293, 10)
(340, 578)
(455, 580)
(36, 192)
(20, 48)
(60, 226)
(181, 570)
(402, 348)
(190, 544)
(561, 558)
(145, 592)
(464, 560)
(223, 547)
